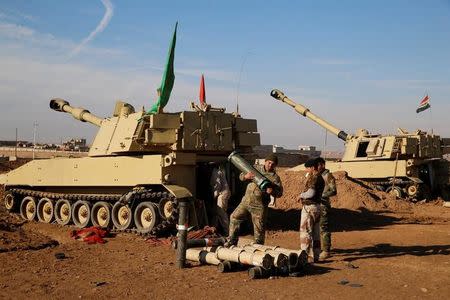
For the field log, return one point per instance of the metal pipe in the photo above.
(183, 223)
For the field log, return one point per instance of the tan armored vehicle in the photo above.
(136, 169)
(408, 164)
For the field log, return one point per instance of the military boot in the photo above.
(230, 242)
(324, 255)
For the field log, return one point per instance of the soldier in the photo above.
(325, 208)
(310, 215)
(255, 202)
(221, 194)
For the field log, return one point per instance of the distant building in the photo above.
(11, 143)
(287, 157)
(75, 145)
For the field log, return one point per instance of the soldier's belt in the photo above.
(309, 202)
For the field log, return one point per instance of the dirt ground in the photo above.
(382, 248)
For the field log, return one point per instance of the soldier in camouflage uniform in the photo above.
(325, 207)
(255, 202)
(310, 215)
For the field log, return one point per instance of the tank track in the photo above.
(423, 190)
(132, 198)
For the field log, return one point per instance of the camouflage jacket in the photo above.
(313, 190)
(254, 196)
(330, 185)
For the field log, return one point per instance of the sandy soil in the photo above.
(382, 247)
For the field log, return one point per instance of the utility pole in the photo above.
(325, 144)
(15, 149)
(35, 125)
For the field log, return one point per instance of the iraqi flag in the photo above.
(424, 104)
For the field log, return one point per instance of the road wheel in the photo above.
(396, 191)
(45, 210)
(63, 211)
(146, 217)
(166, 208)
(101, 214)
(81, 213)
(10, 201)
(122, 216)
(28, 208)
(412, 191)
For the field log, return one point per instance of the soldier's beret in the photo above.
(310, 163)
(272, 157)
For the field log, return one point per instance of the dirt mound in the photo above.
(353, 195)
(357, 196)
(6, 166)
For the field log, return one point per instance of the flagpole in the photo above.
(431, 116)
(431, 121)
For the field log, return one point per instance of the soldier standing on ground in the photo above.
(255, 202)
(310, 215)
(221, 194)
(325, 208)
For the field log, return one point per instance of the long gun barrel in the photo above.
(279, 95)
(78, 113)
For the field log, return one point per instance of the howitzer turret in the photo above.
(410, 164)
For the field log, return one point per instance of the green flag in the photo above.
(168, 78)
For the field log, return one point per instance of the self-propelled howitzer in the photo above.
(408, 164)
(137, 168)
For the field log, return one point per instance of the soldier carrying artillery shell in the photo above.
(255, 201)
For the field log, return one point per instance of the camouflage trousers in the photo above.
(325, 234)
(220, 219)
(310, 231)
(258, 216)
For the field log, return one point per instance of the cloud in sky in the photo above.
(15, 16)
(109, 11)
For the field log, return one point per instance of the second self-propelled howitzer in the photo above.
(408, 164)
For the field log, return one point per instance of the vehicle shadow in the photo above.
(340, 219)
(388, 250)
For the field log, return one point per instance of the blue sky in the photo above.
(359, 64)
